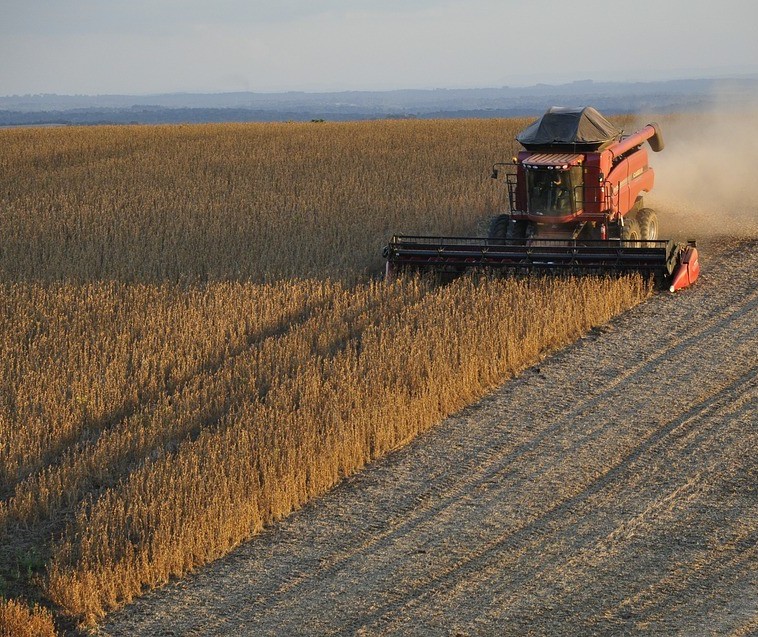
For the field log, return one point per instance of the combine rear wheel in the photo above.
(648, 223)
(631, 231)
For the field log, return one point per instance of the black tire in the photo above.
(499, 229)
(648, 222)
(631, 231)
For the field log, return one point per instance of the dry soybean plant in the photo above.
(20, 620)
(255, 202)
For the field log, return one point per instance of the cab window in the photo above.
(553, 191)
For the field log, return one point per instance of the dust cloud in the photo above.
(706, 182)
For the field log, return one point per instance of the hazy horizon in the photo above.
(146, 47)
(725, 76)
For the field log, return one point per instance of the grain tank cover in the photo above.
(579, 128)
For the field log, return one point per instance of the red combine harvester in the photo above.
(576, 205)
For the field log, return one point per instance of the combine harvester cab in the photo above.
(576, 206)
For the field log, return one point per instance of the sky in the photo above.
(95, 47)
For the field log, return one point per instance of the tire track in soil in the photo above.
(622, 488)
(496, 552)
(416, 541)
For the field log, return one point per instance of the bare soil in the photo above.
(610, 490)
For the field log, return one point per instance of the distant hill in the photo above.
(608, 97)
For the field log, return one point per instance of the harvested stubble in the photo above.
(161, 401)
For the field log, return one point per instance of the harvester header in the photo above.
(576, 204)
